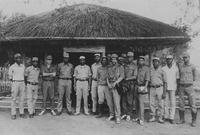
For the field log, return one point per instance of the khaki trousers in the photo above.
(18, 88)
(32, 94)
(170, 104)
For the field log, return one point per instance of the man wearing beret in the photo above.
(188, 74)
(48, 76)
(172, 80)
(143, 78)
(82, 81)
(31, 78)
(115, 76)
(65, 73)
(158, 85)
(16, 76)
(94, 68)
(130, 72)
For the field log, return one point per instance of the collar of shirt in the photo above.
(189, 64)
(35, 68)
(20, 65)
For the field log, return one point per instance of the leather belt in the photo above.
(140, 84)
(48, 80)
(65, 78)
(18, 80)
(82, 80)
(32, 83)
(94, 79)
(186, 85)
(155, 86)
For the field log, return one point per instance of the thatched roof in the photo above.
(84, 20)
(96, 24)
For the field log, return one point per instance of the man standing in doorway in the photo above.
(158, 85)
(188, 74)
(115, 76)
(32, 80)
(82, 81)
(65, 72)
(94, 95)
(16, 76)
(172, 80)
(48, 76)
(130, 72)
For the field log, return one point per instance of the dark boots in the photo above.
(194, 118)
(182, 117)
(100, 110)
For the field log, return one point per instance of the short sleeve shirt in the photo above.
(82, 72)
(16, 72)
(94, 68)
(130, 70)
(143, 75)
(115, 72)
(51, 69)
(32, 74)
(172, 76)
(102, 75)
(187, 73)
(65, 70)
(157, 76)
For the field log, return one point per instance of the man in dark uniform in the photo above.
(48, 76)
(188, 75)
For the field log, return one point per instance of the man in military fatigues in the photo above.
(103, 90)
(143, 78)
(48, 76)
(65, 73)
(16, 76)
(130, 71)
(188, 74)
(115, 76)
(158, 85)
(94, 68)
(31, 78)
(82, 81)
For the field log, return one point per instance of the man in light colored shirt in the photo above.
(94, 68)
(172, 74)
(16, 76)
(31, 78)
(65, 72)
(82, 81)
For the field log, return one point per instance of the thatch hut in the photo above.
(86, 28)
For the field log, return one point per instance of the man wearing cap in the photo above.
(65, 72)
(16, 76)
(124, 56)
(115, 76)
(130, 72)
(31, 78)
(142, 81)
(103, 91)
(158, 85)
(121, 61)
(172, 80)
(188, 74)
(48, 76)
(94, 68)
(82, 81)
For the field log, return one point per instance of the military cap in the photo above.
(120, 58)
(17, 55)
(103, 57)
(123, 55)
(114, 56)
(185, 54)
(169, 57)
(130, 54)
(97, 54)
(66, 55)
(35, 59)
(49, 57)
(141, 57)
(156, 58)
(82, 57)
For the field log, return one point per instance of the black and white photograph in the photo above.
(99, 67)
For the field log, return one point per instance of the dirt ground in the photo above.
(89, 125)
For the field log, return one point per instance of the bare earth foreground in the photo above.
(89, 125)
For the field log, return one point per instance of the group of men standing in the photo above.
(102, 80)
